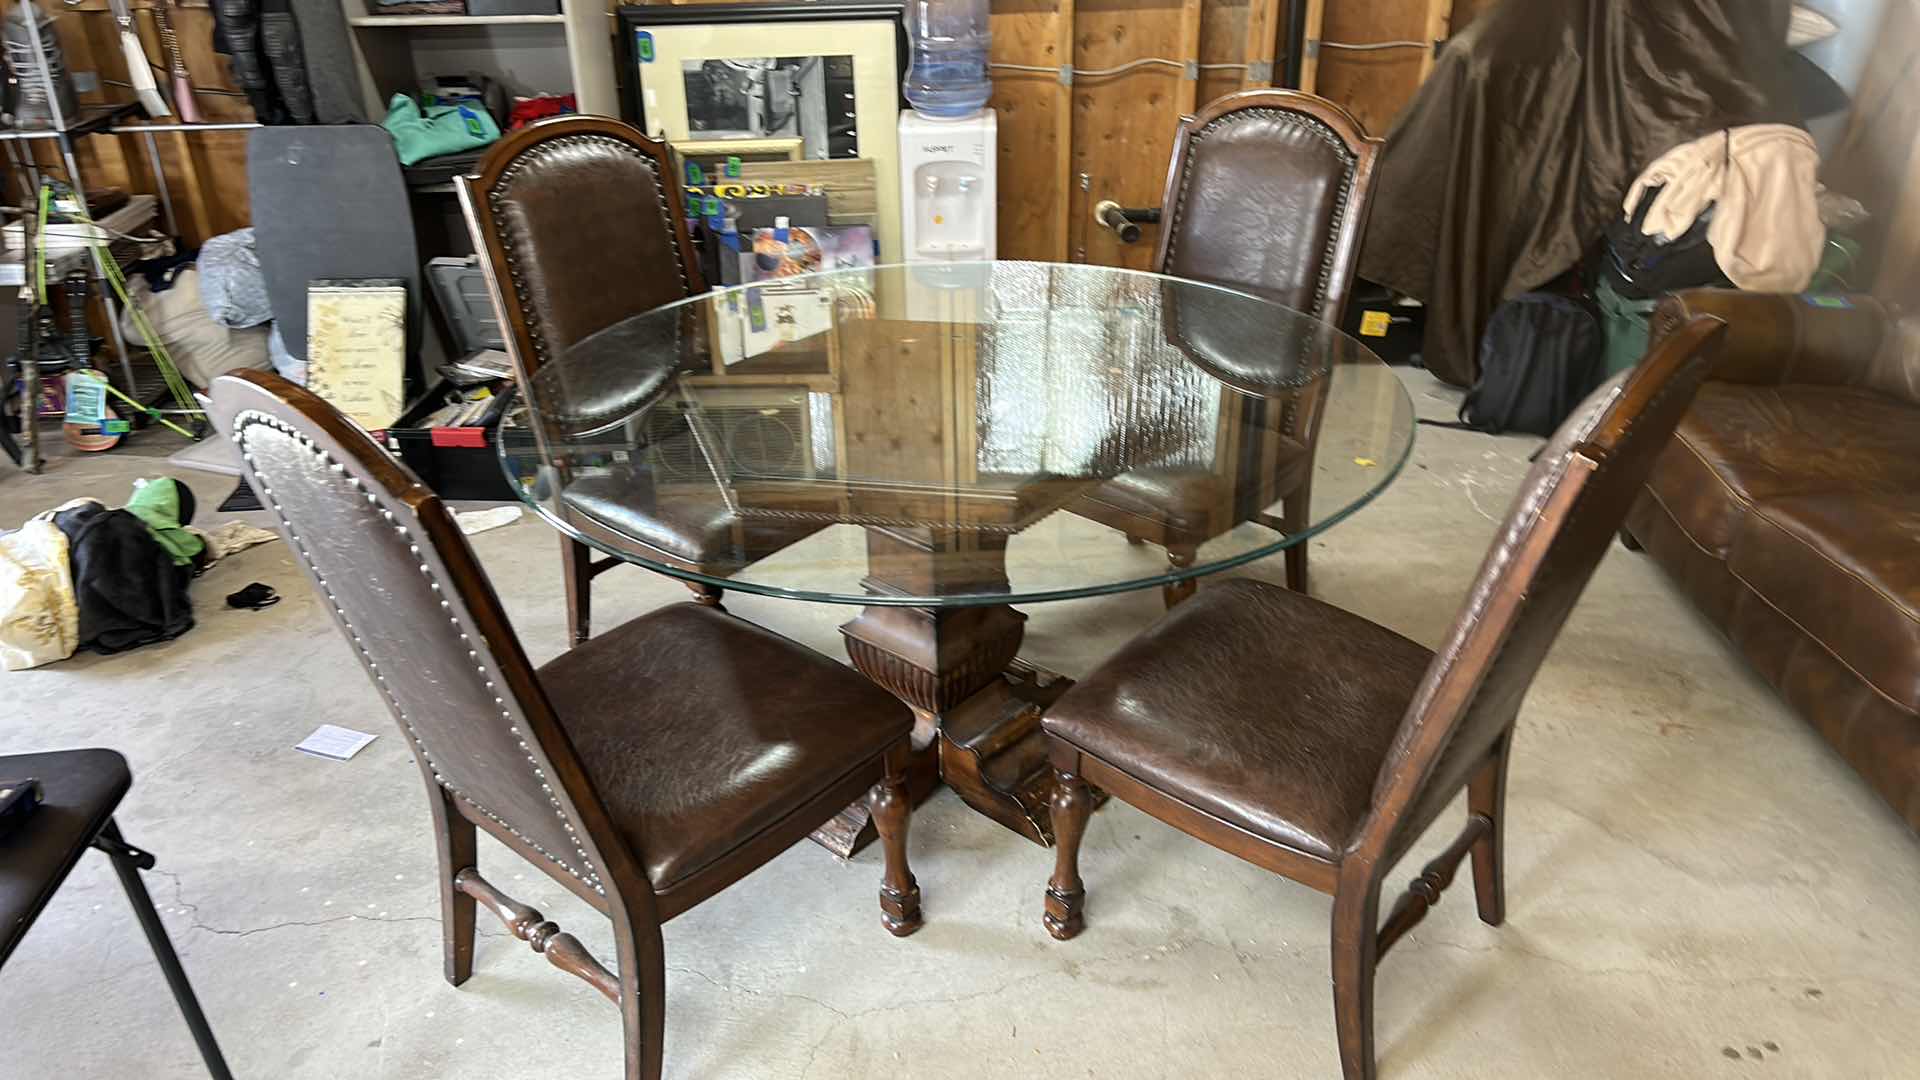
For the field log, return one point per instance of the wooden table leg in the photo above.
(977, 706)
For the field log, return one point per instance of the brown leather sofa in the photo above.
(1787, 508)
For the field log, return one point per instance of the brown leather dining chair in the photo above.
(1267, 192)
(644, 771)
(578, 220)
(1318, 745)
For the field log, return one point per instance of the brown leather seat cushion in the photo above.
(1260, 706)
(1180, 501)
(1846, 570)
(699, 730)
(1187, 502)
(1742, 444)
(701, 531)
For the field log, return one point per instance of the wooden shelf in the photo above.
(444, 21)
(564, 51)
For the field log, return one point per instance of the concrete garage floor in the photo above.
(1697, 886)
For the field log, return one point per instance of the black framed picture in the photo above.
(806, 94)
(813, 82)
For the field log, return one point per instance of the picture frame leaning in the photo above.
(823, 79)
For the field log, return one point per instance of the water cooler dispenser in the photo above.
(948, 140)
(947, 188)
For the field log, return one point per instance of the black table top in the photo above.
(82, 788)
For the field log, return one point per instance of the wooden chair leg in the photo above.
(643, 997)
(1180, 556)
(576, 562)
(1066, 902)
(1293, 517)
(1292, 520)
(706, 594)
(892, 808)
(1297, 567)
(1356, 911)
(1487, 795)
(454, 839)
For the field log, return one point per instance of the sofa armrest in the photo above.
(1779, 338)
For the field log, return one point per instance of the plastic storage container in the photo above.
(947, 76)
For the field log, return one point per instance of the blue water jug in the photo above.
(947, 76)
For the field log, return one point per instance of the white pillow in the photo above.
(200, 347)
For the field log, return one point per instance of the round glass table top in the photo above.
(956, 434)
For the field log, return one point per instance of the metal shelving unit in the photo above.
(92, 120)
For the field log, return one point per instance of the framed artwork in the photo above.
(823, 76)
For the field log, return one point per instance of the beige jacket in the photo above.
(1766, 231)
(39, 613)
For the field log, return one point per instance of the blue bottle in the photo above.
(947, 76)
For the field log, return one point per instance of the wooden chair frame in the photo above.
(478, 203)
(1337, 272)
(1404, 798)
(621, 890)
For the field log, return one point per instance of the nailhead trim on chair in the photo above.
(497, 197)
(241, 424)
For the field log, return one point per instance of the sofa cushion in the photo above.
(1846, 570)
(1742, 444)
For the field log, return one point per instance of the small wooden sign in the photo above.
(357, 347)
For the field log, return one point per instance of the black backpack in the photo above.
(1641, 267)
(1541, 356)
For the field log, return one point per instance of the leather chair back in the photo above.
(397, 575)
(1268, 191)
(579, 221)
(1560, 525)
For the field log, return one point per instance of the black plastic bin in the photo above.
(458, 463)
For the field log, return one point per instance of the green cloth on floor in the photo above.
(157, 504)
(419, 134)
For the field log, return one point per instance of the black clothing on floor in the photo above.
(129, 590)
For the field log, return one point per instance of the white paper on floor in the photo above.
(331, 741)
(479, 521)
(225, 539)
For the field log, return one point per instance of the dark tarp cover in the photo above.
(1516, 154)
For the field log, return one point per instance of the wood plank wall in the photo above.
(1375, 83)
(1062, 148)
(1878, 161)
(205, 171)
(1118, 130)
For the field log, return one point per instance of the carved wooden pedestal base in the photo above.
(978, 710)
(993, 755)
